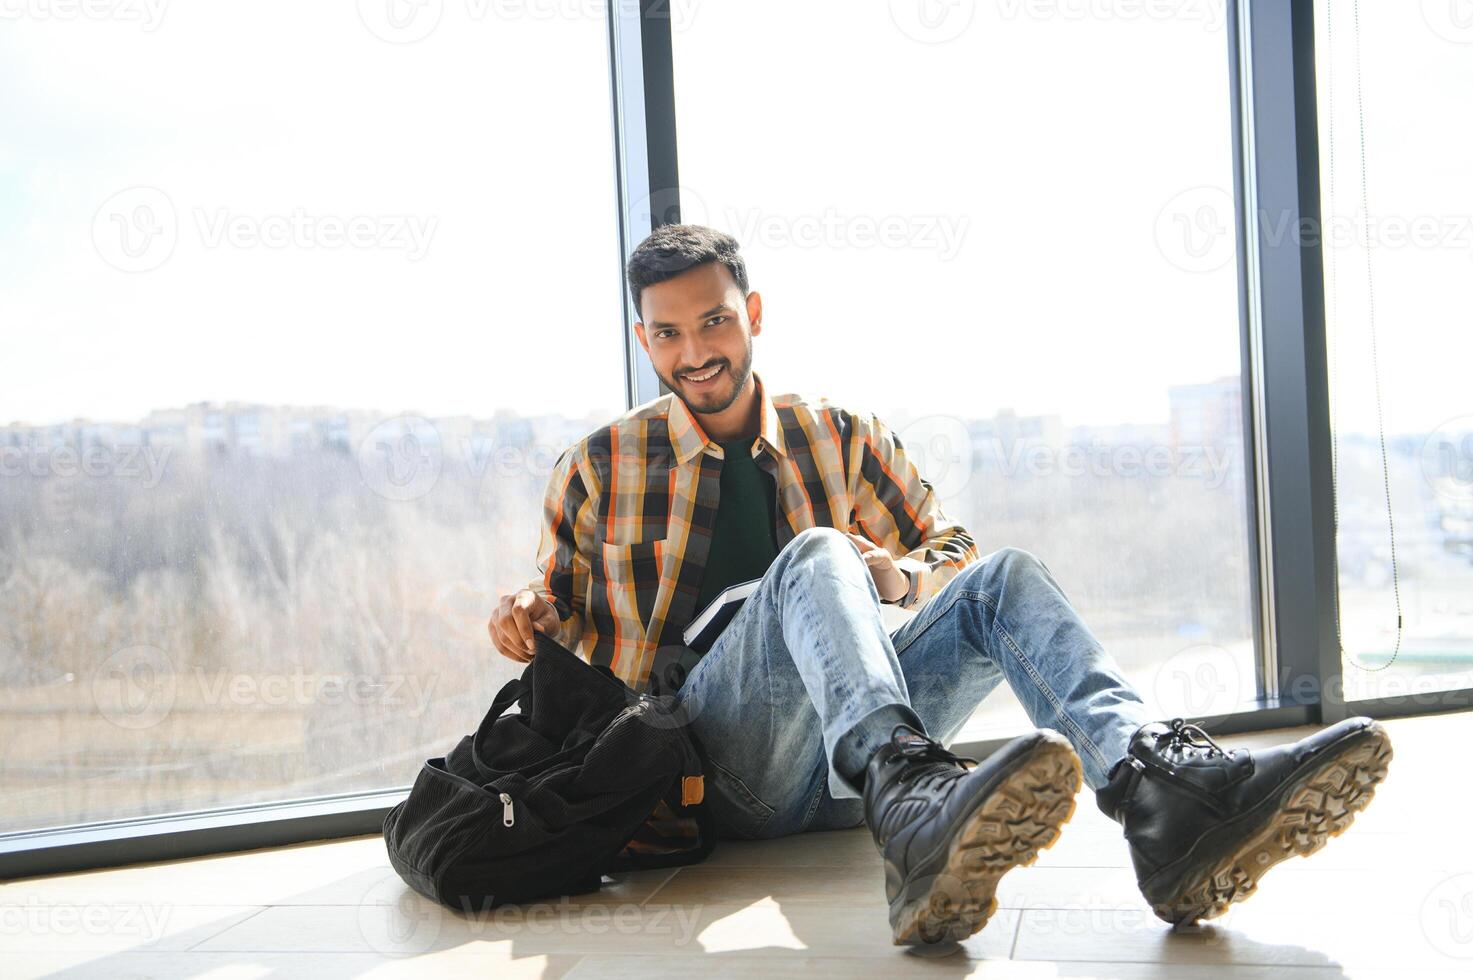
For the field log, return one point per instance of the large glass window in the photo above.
(300, 302)
(1008, 230)
(1393, 81)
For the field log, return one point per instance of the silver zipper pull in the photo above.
(506, 812)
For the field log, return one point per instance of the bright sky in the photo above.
(1051, 181)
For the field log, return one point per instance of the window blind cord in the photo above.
(1334, 347)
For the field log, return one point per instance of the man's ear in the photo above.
(639, 332)
(754, 311)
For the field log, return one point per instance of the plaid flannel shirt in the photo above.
(629, 509)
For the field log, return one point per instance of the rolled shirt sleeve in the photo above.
(565, 542)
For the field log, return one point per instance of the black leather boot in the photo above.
(1204, 823)
(949, 831)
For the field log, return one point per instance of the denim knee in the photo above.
(820, 537)
(1008, 561)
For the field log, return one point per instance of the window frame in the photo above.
(1270, 51)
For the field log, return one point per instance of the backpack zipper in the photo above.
(507, 817)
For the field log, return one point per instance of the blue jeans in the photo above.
(807, 669)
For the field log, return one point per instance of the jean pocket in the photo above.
(738, 812)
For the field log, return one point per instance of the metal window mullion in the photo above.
(1285, 307)
(646, 173)
(1256, 500)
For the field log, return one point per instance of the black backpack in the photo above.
(588, 778)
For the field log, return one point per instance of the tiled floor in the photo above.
(1392, 897)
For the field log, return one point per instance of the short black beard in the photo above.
(736, 390)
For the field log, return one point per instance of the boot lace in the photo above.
(929, 763)
(1187, 734)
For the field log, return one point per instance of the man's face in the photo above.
(697, 322)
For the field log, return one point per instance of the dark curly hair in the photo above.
(671, 249)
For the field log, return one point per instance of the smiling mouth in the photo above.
(700, 384)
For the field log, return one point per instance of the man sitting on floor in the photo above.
(814, 716)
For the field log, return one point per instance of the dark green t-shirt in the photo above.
(744, 540)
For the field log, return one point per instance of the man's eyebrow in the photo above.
(718, 308)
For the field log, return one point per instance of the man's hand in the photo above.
(516, 617)
(890, 581)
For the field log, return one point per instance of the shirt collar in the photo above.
(688, 438)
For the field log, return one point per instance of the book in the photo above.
(706, 627)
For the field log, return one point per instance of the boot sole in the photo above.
(1309, 810)
(1022, 816)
